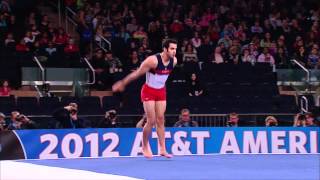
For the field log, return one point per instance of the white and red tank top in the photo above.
(156, 78)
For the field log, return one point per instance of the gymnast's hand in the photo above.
(119, 86)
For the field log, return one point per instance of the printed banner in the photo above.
(73, 143)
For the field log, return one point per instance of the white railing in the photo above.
(103, 40)
(41, 68)
(304, 68)
(93, 72)
(304, 105)
(69, 19)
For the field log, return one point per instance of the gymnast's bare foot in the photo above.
(147, 153)
(165, 154)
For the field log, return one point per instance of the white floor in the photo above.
(10, 170)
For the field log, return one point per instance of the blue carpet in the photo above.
(228, 166)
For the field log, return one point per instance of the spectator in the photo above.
(196, 40)
(301, 56)
(299, 120)
(247, 57)
(25, 122)
(314, 58)
(114, 63)
(101, 68)
(310, 120)
(256, 29)
(132, 26)
(134, 62)
(271, 121)
(22, 47)
(14, 123)
(234, 57)
(233, 120)
(5, 89)
(281, 58)
(185, 120)
(71, 47)
(110, 120)
(190, 54)
(266, 42)
(3, 124)
(266, 57)
(67, 117)
(217, 56)
(9, 41)
(194, 86)
(60, 38)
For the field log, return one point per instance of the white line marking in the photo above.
(11, 170)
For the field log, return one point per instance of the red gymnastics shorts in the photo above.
(151, 94)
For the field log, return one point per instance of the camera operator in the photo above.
(110, 120)
(25, 122)
(299, 120)
(271, 121)
(67, 117)
(14, 123)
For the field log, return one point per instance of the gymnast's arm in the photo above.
(148, 64)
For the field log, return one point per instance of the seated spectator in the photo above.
(271, 121)
(314, 58)
(5, 89)
(190, 54)
(25, 122)
(226, 41)
(233, 120)
(234, 57)
(110, 120)
(301, 56)
(67, 117)
(281, 58)
(196, 40)
(114, 63)
(247, 57)
(10, 42)
(14, 123)
(217, 56)
(266, 57)
(101, 68)
(51, 49)
(71, 47)
(142, 122)
(29, 39)
(60, 38)
(194, 86)
(132, 26)
(256, 28)
(185, 120)
(134, 62)
(44, 39)
(266, 41)
(299, 120)
(22, 47)
(310, 120)
(3, 124)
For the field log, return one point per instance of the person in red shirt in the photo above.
(61, 38)
(22, 47)
(5, 89)
(71, 47)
